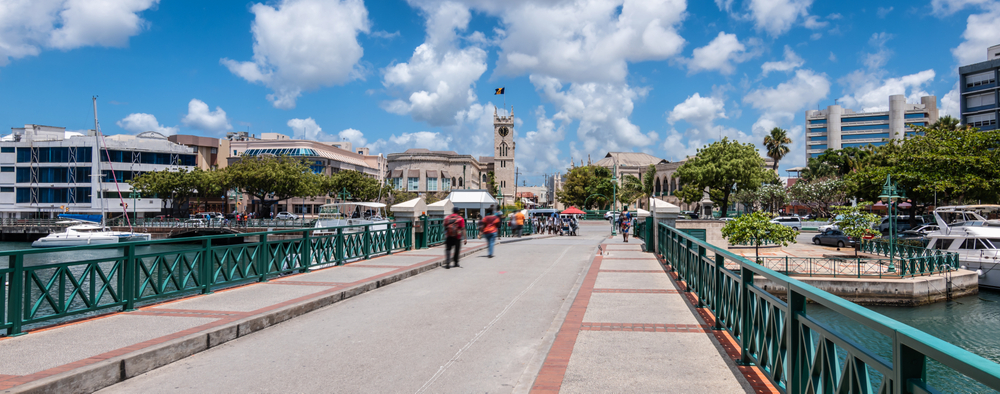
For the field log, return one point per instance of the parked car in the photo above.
(690, 214)
(919, 232)
(833, 238)
(286, 216)
(610, 215)
(789, 221)
(830, 224)
(902, 223)
(727, 218)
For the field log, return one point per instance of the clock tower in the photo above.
(503, 155)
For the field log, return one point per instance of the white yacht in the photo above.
(353, 214)
(87, 234)
(973, 237)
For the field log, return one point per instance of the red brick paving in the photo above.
(632, 291)
(636, 271)
(649, 327)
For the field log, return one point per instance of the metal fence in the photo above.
(213, 223)
(40, 293)
(911, 260)
(797, 352)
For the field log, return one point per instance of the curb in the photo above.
(93, 377)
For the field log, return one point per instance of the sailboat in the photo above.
(91, 230)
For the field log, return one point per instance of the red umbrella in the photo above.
(573, 211)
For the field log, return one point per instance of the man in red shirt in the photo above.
(489, 227)
(454, 231)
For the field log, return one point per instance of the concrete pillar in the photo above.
(440, 209)
(897, 108)
(833, 140)
(662, 212)
(410, 211)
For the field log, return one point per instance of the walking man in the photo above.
(489, 227)
(518, 224)
(454, 229)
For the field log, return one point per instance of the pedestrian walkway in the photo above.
(86, 355)
(631, 328)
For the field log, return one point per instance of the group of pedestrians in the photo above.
(489, 228)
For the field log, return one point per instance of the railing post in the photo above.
(797, 376)
(338, 246)
(389, 233)
(720, 265)
(366, 242)
(206, 266)
(700, 282)
(17, 300)
(130, 278)
(908, 364)
(307, 254)
(746, 280)
(424, 235)
(261, 257)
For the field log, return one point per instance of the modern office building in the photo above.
(836, 127)
(978, 85)
(47, 170)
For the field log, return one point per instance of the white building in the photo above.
(46, 170)
(836, 127)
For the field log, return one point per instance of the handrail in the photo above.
(797, 352)
(50, 291)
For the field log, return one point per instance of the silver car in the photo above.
(789, 221)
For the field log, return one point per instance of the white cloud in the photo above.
(950, 104)
(871, 92)
(882, 12)
(539, 149)
(200, 117)
(777, 16)
(588, 40)
(878, 59)
(780, 104)
(719, 54)
(421, 139)
(791, 62)
(724, 5)
(833, 57)
(701, 113)
(948, 7)
(355, 136)
(603, 111)
(140, 122)
(28, 26)
(981, 32)
(302, 45)
(307, 129)
(813, 23)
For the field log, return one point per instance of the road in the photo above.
(485, 327)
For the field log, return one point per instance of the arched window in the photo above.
(484, 179)
(673, 185)
(656, 187)
(453, 183)
(666, 186)
(461, 182)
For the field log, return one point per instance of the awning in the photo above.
(432, 173)
(445, 174)
(397, 174)
(413, 173)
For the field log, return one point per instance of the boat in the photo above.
(976, 240)
(353, 214)
(91, 230)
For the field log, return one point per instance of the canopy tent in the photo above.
(473, 200)
(573, 211)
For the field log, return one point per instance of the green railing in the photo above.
(434, 231)
(911, 260)
(639, 228)
(32, 294)
(471, 229)
(858, 267)
(798, 352)
(213, 223)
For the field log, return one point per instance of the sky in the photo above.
(583, 77)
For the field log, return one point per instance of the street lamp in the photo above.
(614, 192)
(891, 194)
(134, 195)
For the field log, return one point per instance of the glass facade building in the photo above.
(979, 91)
(836, 127)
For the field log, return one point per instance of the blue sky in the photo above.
(584, 77)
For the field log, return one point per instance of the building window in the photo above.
(981, 120)
(54, 195)
(6, 189)
(818, 138)
(865, 136)
(865, 119)
(7, 149)
(865, 127)
(6, 169)
(818, 147)
(984, 78)
(54, 155)
(412, 184)
(445, 184)
(432, 184)
(461, 182)
(914, 116)
(980, 100)
(214, 151)
(817, 121)
(396, 183)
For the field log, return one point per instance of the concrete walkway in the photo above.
(632, 329)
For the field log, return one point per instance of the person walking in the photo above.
(488, 228)
(518, 223)
(623, 220)
(454, 230)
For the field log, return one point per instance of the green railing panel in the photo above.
(45, 292)
(435, 232)
(797, 352)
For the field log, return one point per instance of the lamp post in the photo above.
(614, 193)
(134, 195)
(891, 194)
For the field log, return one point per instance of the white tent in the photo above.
(473, 200)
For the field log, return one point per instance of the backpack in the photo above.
(453, 226)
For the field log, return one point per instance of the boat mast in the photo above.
(97, 137)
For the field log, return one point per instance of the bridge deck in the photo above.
(547, 314)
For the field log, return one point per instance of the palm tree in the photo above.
(777, 145)
(946, 123)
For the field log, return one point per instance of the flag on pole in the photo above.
(499, 91)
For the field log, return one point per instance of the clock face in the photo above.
(503, 131)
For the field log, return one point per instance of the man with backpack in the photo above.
(454, 230)
(489, 226)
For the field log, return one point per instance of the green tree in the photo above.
(360, 186)
(630, 190)
(587, 187)
(757, 229)
(724, 167)
(274, 179)
(855, 222)
(776, 144)
(174, 187)
(491, 183)
(208, 184)
(819, 194)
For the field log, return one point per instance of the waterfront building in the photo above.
(47, 170)
(836, 127)
(979, 91)
(323, 158)
(629, 163)
(667, 183)
(425, 171)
